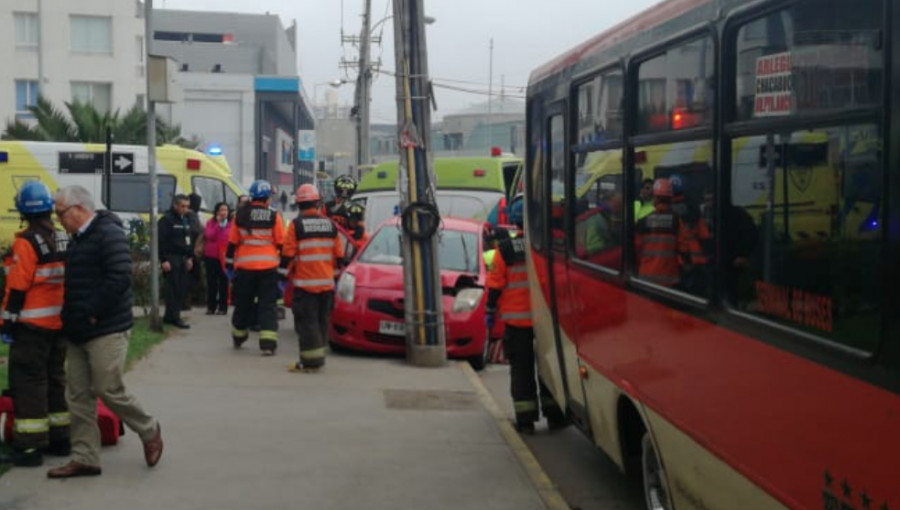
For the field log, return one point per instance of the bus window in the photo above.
(816, 56)
(676, 89)
(535, 200)
(815, 263)
(599, 208)
(557, 160)
(674, 244)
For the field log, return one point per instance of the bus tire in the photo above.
(656, 485)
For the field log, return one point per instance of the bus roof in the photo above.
(475, 173)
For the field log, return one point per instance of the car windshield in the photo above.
(457, 251)
(473, 205)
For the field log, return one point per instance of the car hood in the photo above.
(385, 276)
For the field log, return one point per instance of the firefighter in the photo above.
(508, 296)
(252, 258)
(662, 242)
(356, 226)
(312, 252)
(344, 188)
(694, 236)
(31, 320)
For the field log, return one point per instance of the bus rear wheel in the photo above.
(656, 487)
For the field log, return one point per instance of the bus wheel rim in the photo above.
(655, 489)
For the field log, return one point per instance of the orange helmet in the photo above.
(307, 193)
(662, 188)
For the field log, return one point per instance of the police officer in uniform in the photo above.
(31, 320)
(251, 259)
(312, 252)
(508, 296)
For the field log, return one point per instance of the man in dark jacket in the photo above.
(176, 258)
(97, 320)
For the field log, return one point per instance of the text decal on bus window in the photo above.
(795, 305)
(774, 85)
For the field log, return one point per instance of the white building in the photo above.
(91, 51)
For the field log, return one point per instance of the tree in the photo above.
(85, 124)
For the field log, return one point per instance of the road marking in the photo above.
(545, 487)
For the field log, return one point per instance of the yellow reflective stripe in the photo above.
(240, 333)
(59, 419)
(515, 316)
(50, 271)
(257, 258)
(32, 425)
(525, 405)
(313, 353)
(311, 258)
(37, 313)
(268, 335)
(313, 283)
(315, 244)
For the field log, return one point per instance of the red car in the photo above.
(369, 308)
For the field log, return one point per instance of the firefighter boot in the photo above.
(31, 457)
(239, 337)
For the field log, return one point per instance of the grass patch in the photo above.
(143, 339)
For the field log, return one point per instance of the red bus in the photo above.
(763, 371)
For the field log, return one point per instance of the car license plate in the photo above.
(392, 328)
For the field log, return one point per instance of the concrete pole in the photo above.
(155, 322)
(364, 94)
(425, 342)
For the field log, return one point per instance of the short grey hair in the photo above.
(76, 195)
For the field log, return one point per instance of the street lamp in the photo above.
(336, 83)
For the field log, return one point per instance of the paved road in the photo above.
(586, 477)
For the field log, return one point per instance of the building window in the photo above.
(97, 94)
(26, 28)
(91, 34)
(26, 95)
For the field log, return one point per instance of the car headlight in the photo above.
(345, 287)
(467, 300)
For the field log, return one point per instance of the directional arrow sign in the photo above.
(122, 163)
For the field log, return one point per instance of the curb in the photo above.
(546, 489)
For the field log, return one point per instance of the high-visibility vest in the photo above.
(657, 240)
(510, 275)
(693, 232)
(642, 210)
(311, 251)
(337, 212)
(255, 239)
(34, 282)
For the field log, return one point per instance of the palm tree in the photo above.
(85, 124)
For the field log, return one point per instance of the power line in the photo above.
(466, 90)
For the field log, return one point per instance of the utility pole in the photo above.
(155, 323)
(40, 49)
(490, 113)
(364, 91)
(425, 343)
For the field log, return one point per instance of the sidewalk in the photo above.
(241, 432)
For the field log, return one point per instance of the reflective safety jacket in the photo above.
(663, 247)
(34, 281)
(508, 283)
(337, 212)
(255, 238)
(696, 233)
(311, 252)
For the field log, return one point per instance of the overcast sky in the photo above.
(526, 33)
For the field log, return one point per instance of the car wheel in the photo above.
(656, 486)
(479, 362)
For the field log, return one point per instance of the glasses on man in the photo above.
(62, 212)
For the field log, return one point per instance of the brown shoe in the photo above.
(153, 448)
(73, 469)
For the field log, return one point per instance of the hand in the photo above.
(6, 338)
(190, 264)
(282, 284)
(489, 320)
(229, 273)
(166, 267)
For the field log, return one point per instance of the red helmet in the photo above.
(662, 188)
(307, 193)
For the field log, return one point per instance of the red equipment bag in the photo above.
(110, 424)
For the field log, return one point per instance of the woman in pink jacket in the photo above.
(216, 234)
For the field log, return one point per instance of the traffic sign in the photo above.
(122, 163)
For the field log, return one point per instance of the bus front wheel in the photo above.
(656, 487)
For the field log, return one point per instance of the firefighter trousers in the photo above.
(311, 313)
(518, 346)
(253, 289)
(37, 378)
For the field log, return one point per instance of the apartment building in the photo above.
(90, 51)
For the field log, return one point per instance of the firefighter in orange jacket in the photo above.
(664, 245)
(312, 252)
(251, 260)
(31, 321)
(337, 209)
(508, 296)
(695, 235)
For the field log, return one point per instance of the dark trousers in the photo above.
(176, 289)
(37, 378)
(216, 285)
(251, 289)
(311, 313)
(518, 346)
